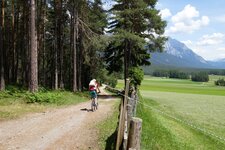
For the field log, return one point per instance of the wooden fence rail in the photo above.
(129, 127)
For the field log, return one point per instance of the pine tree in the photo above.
(137, 28)
(68, 41)
(2, 26)
(33, 86)
(98, 41)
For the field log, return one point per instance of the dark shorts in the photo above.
(93, 94)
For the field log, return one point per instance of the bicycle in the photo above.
(94, 101)
(94, 104)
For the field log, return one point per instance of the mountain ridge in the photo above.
(178, 54)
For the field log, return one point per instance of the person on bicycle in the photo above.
(94, 88)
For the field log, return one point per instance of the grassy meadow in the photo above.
(181, 114)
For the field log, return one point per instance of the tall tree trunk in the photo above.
(41, 41)
(17, 49)
(80, 62)
(13, 44)
(71, 50)
(56, 66)
(39, 38)
(56, 41)
(2, 79)
(75, 22)
(60, 43)
(43, 62)
(61, 83)
(25, 46)
(33, 86)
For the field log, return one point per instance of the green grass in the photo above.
(16, 102)
(162, 132)
(107, 130)
(17, 109)
(182, 86)
(120, 84)
(201, 104)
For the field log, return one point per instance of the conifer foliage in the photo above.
(62, 44)
(137, 28)
(49, 43)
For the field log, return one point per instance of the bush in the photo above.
(106, 78)
(200, 77)
(220, 82)
(112, 81)
(42, 97)
(12, 91)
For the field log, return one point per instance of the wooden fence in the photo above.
(129, 126)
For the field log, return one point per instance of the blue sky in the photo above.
(200, 24)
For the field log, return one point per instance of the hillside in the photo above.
(177, 54)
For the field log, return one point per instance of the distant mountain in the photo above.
(221, 60)
(218, 64)
(179, 55)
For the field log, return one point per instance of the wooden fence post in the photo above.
(135, 134)
(132, 102)
(120, 126)
(125, 139)
(136, 98)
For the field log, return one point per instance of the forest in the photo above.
(62, 44)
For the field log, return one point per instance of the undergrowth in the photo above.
(16, 101)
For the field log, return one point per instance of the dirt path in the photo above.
(66, 128)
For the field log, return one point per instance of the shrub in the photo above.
(220, 82)
(106, 78)
(112, 81)
(42, 97)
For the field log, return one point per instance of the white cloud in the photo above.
(188, 42)
(214, 39)
(187, 21)
(159, 5)
(187, 13)
(222, 49)
(165, 13)
(208, 52)
(210, 47)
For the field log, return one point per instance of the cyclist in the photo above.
(94, 88)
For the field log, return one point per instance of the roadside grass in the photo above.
(120, 84)
(16, 102)
(17, 109)
(107, 130)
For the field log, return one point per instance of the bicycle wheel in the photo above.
(92, 104)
